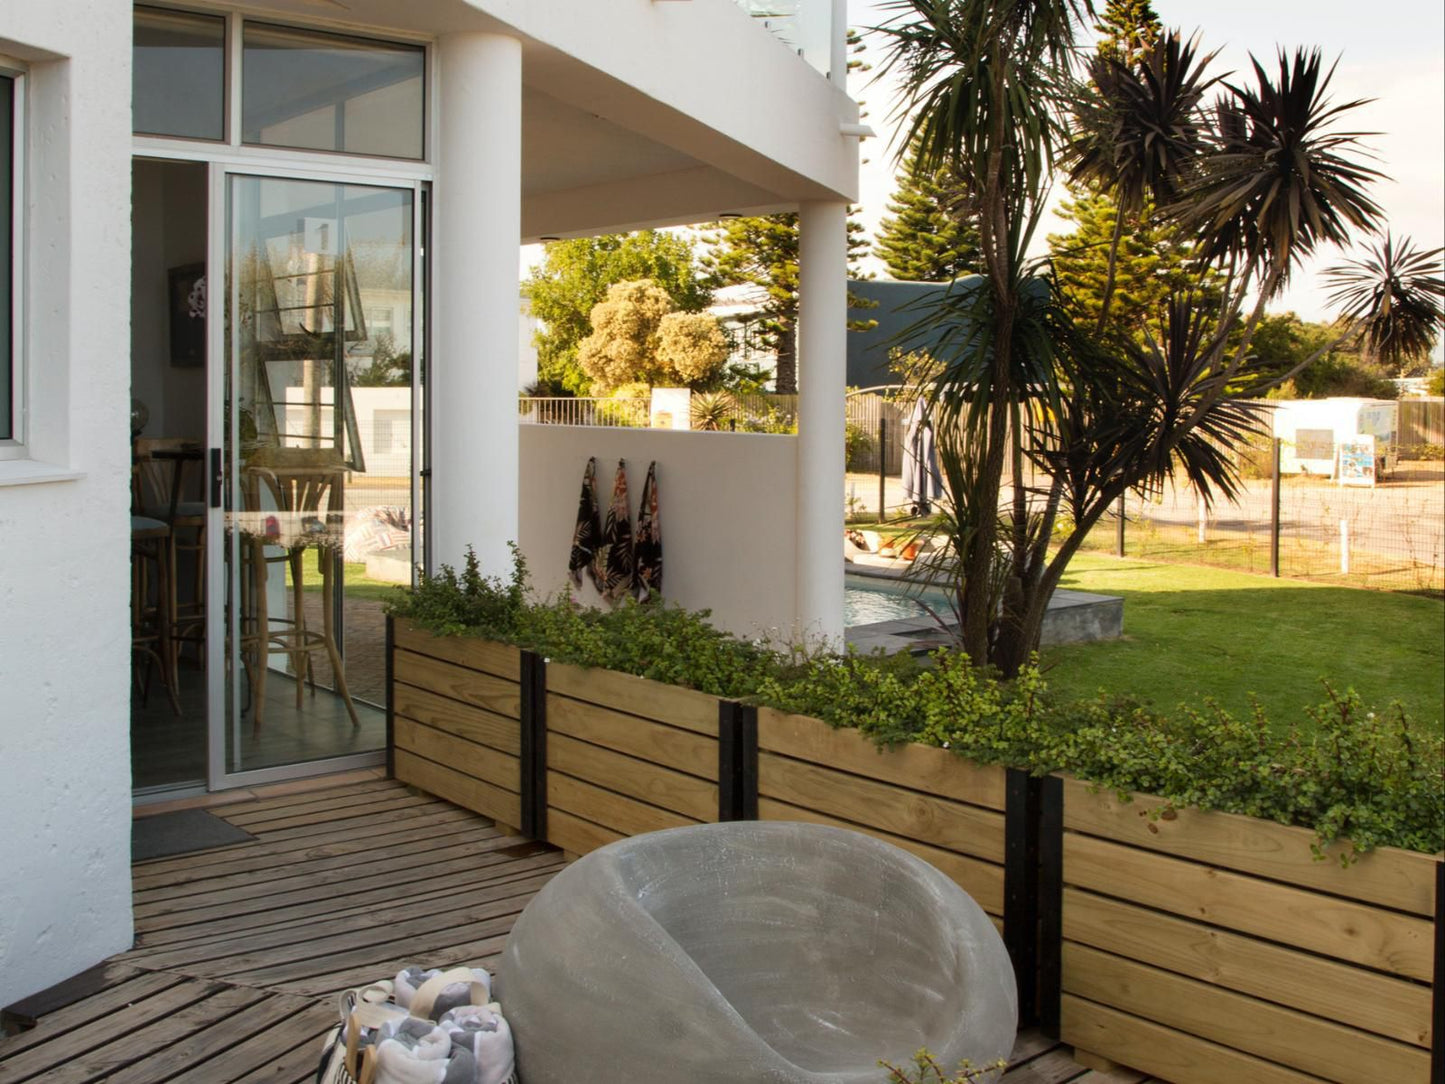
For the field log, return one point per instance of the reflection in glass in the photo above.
(179, 74)
(318, 414)
(7, 211)
(330, 93)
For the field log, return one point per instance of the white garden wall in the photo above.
(727, 501)
(64, 522)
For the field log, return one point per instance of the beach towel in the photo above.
(413, 1051)
(647, 551)
(922, 481)
(614, 559)
(587, 535)
(410, 979)
(483, 1032)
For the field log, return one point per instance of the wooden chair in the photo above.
(306, 494)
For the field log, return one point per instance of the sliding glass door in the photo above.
(316, 393)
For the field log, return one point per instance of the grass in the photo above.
(357, 584)
(1192, 632)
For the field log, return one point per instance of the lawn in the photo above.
(357, 584)
(1192, 632)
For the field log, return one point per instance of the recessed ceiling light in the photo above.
(546, 239)
(729, 214)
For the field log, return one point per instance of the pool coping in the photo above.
(1073, 617)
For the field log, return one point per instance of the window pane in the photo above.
(327, 93)
(179, 79)
(7, 255)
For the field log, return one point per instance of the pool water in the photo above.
(867, 602)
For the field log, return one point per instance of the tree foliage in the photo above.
(762, 252)
(1257, 179)
(574, 276)
(1322, 363)
(638, 338)
(1152, 262)
(929, 234)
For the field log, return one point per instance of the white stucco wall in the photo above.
(727, 502)
(64, 544)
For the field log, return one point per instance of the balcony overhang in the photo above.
(639, 114)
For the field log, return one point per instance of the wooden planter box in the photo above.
(1210, 947)
(1202, 948)
(455, 720)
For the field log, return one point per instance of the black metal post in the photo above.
(390, 699)
(1274, 508)
(533, 765)
(1051, 903)
(1119, 529)
(729, 760)
(1437, 1007)
(749, 758)
(1020, 888)
(882, 462)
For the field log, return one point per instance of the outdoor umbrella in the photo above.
(647, 552)
(615, 557)
(587, 535)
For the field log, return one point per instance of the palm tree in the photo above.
(1394, 297)
(1139, 132)
(981, 85)
(1258, 182)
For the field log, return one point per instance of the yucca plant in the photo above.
(1394, 296)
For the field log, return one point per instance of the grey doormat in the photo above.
(163, 835)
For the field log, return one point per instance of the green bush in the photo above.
(1356, 774)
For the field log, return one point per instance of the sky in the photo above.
(1392, 51)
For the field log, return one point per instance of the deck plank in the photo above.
(239, 953)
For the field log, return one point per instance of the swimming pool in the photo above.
(868, 600)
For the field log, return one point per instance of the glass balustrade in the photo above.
(806, 26)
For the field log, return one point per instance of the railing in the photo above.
(806, 26)
(622, 413)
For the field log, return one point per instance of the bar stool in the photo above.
(150, 545)
(305, 489)
(162, 464)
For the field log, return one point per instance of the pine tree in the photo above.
(1152, 262)
(1129, 27)
(763, 252)
(929, 234)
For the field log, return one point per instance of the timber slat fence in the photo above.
(1198, 947)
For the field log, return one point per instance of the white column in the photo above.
(476, 231)
(822, 378)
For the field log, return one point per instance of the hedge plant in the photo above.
(1366, 776)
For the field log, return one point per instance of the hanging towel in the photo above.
(922, 481)
(614, 559)
(587, 535)
(647, 553)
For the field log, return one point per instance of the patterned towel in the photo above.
(647, 552)
(614, 559)
(587, 535)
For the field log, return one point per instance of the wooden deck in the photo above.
(240, 950)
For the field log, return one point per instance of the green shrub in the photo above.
(1356, 774)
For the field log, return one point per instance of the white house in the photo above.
(208, 203)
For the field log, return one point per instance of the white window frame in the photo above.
(15, 446)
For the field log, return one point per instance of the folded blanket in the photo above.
(412, 1051)
(483, 1032)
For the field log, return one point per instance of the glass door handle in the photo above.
(215, 478)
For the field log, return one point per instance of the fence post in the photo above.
(1344, 547)
(1119, 529)
(1274, 508)
(1203, 518)
(533, 764)
(882, 462)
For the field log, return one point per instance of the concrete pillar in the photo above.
(822, 376)
(476, 231)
